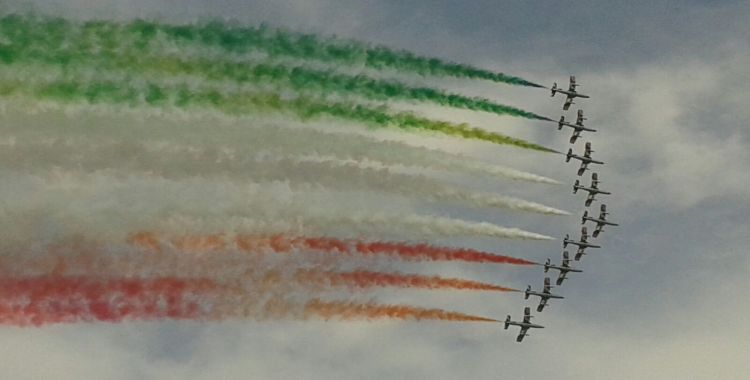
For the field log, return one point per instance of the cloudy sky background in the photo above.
(666, 296)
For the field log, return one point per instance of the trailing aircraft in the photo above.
(525, 324)
(545, 294)
(564, 268)
(585, 159)
(582, 244)
(600, 222)
(592, 190)
(577, 127)
(571, 92)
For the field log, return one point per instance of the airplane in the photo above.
(564, 268)
(582, 244)
(577, 127)
(525, 324)
(601, 222)
(544, 294)
(593, 190)
(585, 159)
(571, 93)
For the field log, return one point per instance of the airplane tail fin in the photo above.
(507, 322)
(546, 265)
(554, 89)
(526, 293)
(560, 123)
(570, 154)
(575, 186)
(565, 240)
(583, 218)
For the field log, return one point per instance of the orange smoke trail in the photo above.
(59, 299)
(367, 311)
(287, 244)
(367, 279)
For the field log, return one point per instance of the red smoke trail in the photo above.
(56, 299)
(287, 244)
(350, 310)
(405, 251)
(367, 279)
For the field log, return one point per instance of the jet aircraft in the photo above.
(571, 93)
(582, 243)
(601, 222)
(545, 294)
(593, 190)
(564, 268)
(577, 127)
(525, 324)
(585, 159)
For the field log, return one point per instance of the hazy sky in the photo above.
(665, 298)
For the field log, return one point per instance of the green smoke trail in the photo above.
(240, 40)
(127, 92)
(74, 52)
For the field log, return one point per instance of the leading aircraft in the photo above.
(525, 324)
(601, 222)
(571, 93)
(593, 190)
(585, 159)
(577, 127)
(564, 268)
(582, 243)
(544, 294)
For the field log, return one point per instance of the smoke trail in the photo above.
(175, 162)
(297, 78)
(351, 310)
(437, 226)
(368, 279)
(124, 92)
(286, 244)
(53, 299)
(232, 136)
(142, 36)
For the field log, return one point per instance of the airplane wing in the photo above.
(590, 199)
(568, 102)
(579, 254)
(542, 304)
(582, 169)
(522, 334)
(575, 136)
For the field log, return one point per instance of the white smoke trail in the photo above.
(174, 161)
(111, 205)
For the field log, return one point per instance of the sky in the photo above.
(665, 296)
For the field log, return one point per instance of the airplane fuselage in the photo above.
(572, 94)
(527, 325)
(580, 244)
(563, 269)
(600, 221)
(586, 160)
(577, 127)
(592, 190)
(543, 294)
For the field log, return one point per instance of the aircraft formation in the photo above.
(584, 241)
